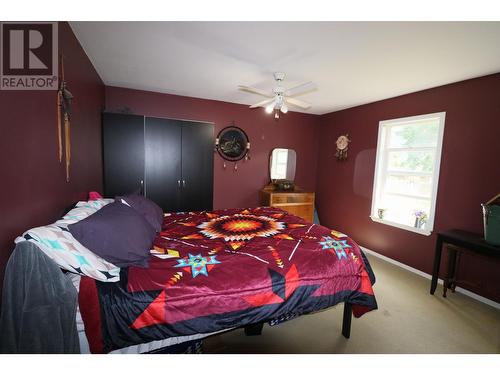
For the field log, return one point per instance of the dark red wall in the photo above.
(469, 175)
(33, 189)
(234, 188)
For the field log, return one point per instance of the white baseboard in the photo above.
(466, 292)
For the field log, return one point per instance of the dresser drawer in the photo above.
(292, 198)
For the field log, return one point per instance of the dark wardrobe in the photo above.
(169, 161)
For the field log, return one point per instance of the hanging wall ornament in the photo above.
(342, 143)
(64, 98)
(59, 126)
(232, 145)
(216, 144)
(247, 155)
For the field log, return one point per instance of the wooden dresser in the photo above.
(297, 202)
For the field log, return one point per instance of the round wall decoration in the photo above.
(232, 144)
(342, 143)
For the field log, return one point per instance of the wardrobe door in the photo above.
(163, 163)
(123, 153)
(197, 165)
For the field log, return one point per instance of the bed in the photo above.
(210, 272)
(199, 274)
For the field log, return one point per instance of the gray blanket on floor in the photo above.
(38, 305)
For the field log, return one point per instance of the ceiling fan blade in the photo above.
(300, 89)
(256, 91)
(262, 103)
(298, 103)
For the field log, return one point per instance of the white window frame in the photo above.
(381, 168)
(277, 162)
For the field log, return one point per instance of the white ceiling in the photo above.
(352, 63)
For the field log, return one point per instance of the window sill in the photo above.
(424, 232)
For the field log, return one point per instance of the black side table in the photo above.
(462, 239)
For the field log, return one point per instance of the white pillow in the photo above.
(59, 244)
(82, 210)
(96, 203)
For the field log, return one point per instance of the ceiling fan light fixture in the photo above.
(279, 76)
(279, 98)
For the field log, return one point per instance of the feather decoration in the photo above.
(64, 99)
(59, 130)
(67, 141)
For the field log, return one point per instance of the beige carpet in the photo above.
(409, 320)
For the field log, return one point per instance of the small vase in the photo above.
(419, 223)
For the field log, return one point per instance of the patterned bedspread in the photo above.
(211, 271)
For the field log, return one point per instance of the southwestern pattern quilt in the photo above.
(217, 270)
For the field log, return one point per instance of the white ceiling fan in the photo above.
(280, 98)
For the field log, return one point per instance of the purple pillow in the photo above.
(146, 207)
(116, 233)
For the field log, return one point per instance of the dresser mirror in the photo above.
(282, 192)
(282, 164)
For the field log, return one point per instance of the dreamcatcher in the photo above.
(342, 143)
(64, 98)
(232, 144)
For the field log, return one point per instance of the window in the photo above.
(407, 172)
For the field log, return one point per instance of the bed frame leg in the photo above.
(346, 322)
(254, 329)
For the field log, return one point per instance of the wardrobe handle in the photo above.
(183, 183)
(179, 183)
(142, 187)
